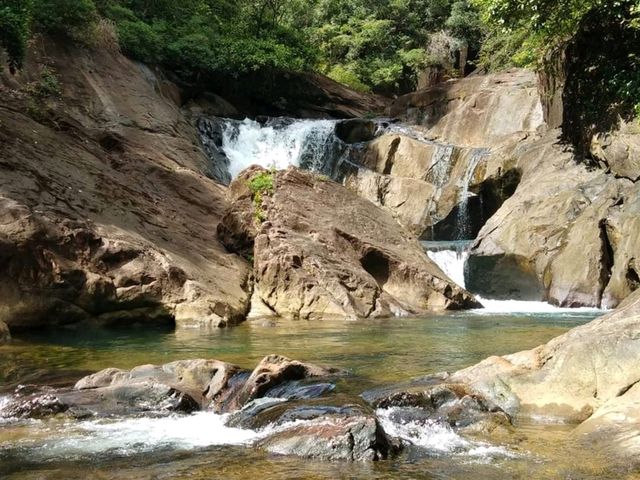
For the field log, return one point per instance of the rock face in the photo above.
(107, 213)
(566, 235)
(322, 250)
(588, 376)
(571, 376)
(431, 176)
(480, 110)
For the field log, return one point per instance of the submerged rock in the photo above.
(319, 250)
(5, 335)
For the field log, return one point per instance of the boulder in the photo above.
(454, 404)
(332, 437)
(321, 250)
(107, 214)
(268, 378)
(571, 376)
(356, 130)
(183, 386)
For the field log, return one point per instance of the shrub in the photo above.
(72, 18)
(261, 184)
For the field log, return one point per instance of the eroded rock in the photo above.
(321, 250)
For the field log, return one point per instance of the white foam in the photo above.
(438, 437)
(452, 263)
(132, 436)
(524, 306)
(274, 146)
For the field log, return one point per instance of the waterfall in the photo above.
(462, 219)
(278, 143)
(451, 257)
(233, 145)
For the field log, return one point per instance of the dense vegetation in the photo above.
(378, 45)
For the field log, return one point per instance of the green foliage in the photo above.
(260, 185)
(381, 45)
(72, 18)
(15, 17)
(47, 85)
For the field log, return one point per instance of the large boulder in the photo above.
(571, 376)
(567, 235)
(332, 437)
(107, 213)
(321, 250)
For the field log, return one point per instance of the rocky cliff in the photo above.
(107, 213)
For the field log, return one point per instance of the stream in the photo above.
(376, 352)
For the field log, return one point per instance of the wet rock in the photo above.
(202, 380)
(321, 250)
(452, 403)
(5, 335)
(273, 376)
(181, 386)
(210, 132)
(356, 130)
(332, 437)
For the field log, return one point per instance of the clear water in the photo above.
(377, 353)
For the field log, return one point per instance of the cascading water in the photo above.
(233, 145)
(452, 256)
(279, 143)
(463, 230)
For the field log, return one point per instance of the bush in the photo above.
(14, 30)
(72, 18)
(139, 40)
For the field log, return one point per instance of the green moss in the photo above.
(261, 185)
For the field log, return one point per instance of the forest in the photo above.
(377, 45)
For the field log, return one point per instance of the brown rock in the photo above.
(571, 376)
(324, 251)
(106, 212)
(332, 437)
(479, 110)
(272, 371)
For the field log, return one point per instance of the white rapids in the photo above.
(452, 257)
(277, 145)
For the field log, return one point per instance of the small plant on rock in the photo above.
(260, 185)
